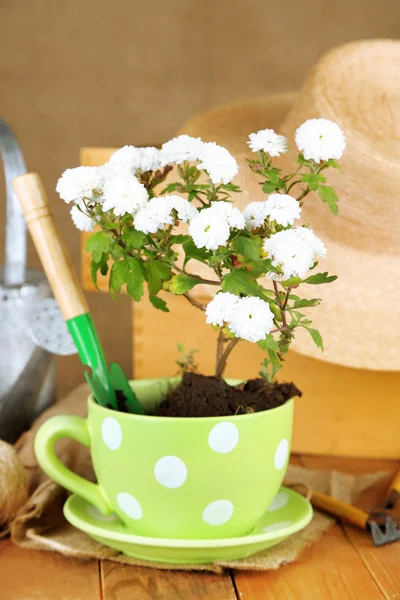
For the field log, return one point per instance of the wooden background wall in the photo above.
(105, 73)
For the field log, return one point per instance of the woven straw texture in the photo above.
(358, 86)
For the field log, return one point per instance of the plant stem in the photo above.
(222, 358)
(289, 289)
(220, 348)
(281, 305)
(197, 277)
(292, 184)
(194, 302)
(303, 194)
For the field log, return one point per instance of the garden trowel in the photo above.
(110, 386)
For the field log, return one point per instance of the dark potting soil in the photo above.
(205, 396)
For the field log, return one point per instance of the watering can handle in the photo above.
(50, 246)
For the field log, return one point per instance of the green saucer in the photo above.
(289, 512)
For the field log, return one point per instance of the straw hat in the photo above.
(358, 87)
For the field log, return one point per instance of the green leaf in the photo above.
(151, 254)
(171, 187)
(128, 271)
(135, 239)
(158, 303)
(313, 180)
(97, 244)
(192, 195)
(230, 187)
(273, 175)
(246, 247)
(179, 284)
(101, 266)
(192, 252)
(268, 187)
(135, 278)
(291, 282)
(316, 336)
(116, 251)
(274, 358)
(268, 342)
(304, 303)
(119, 275)
(319, 278)
(157, 272)
(240, 281)
(334, 164)
(260, 267)
(328, 195)
(303, 161)
(178, 239)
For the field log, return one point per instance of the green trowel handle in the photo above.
(84, 334)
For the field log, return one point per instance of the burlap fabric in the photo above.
(40, 524)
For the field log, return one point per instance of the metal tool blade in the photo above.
(389, 535)
(47, 328)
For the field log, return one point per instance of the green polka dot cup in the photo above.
(188, 478)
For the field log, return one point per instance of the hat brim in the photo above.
(359, 314)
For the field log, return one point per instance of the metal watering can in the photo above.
(27, 372)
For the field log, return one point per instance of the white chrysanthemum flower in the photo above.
(80, 219)
(232, 214)
(219, 310)
(218, 162)
(124, 194)
(251, 319)
(283, 209)
(158, 213)
(309, 237)
(181, 148)
(135, 160)
(81, 183)
(268, 141)
(154, 216)
(255, 214)
(294, 251)
(209, 229)
(320, 139)
(186, 211)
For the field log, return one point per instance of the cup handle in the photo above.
(76, 428)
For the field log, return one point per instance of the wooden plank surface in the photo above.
(35, 575)
(383, 563)
(330, 570)
(122, 582)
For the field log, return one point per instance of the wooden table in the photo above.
(343, 565)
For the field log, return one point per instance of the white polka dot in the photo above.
(218, 512)
(170, 471)
(280, 500)
(223, 437)
(112, 433)
(277, 526)
(96, 514)
(281, 454)
(130, 506)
